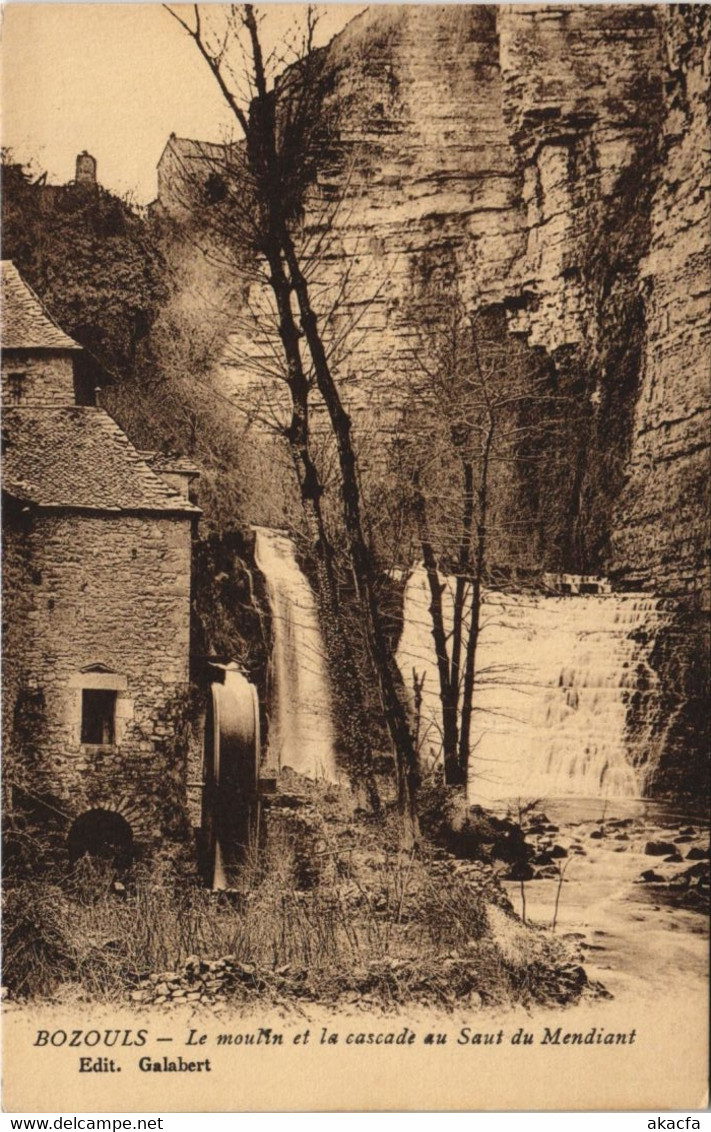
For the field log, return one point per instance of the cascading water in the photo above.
(555, 678)
(300, 726)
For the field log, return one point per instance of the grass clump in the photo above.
(363, 923)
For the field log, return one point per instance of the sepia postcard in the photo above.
(355, 461)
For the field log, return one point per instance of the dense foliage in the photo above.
(136, 291)
(93, 260)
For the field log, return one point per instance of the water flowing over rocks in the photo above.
(300, 726)
(566, 699)
(549, 166)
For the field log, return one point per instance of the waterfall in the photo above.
(555, 677)
(300, 725)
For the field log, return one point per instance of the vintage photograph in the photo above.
(355, 577)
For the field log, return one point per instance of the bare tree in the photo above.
(280, 111)
(488, 409)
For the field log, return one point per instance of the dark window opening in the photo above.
(86, 380)
(215, 188)
(16, 387)
(103, 834)
(98, 713)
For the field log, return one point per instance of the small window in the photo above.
(16, 387)
(215, 188)
(98, 713)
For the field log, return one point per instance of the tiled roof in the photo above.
(79, 458)
(198, 150)
(25, 322)
(168, 462)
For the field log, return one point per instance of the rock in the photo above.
(546, 872)
(520, 871)
(659, 848)
(597, 834)
(696, 853)
(701, 869)
(558, 851)
(673, 857)
(194, 965)
(684, 839)
(650, 877)
(679, 881)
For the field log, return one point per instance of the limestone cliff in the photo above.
(661, 515)
(552, 161)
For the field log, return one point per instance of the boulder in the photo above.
(659, 848)
(521, 870)
(700, 869)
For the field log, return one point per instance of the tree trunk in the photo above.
(359, 556)
(475, 609)
(448, 691)
(347, 685)
(463, 572)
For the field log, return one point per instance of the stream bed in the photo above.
(636, 936)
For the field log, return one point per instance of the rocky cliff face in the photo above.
(547, 167)
(549, 161)
(660, 519)
(430, 188)
(551, 164)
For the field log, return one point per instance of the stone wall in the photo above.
(99, 601)
(47, 378)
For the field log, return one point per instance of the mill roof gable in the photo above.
(78, 458)
(24, 321)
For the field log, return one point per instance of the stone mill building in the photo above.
(96, 602)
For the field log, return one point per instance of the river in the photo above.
(635, 937)
(551, 722)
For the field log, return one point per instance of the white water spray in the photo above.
(300, 726)
(555, 675)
